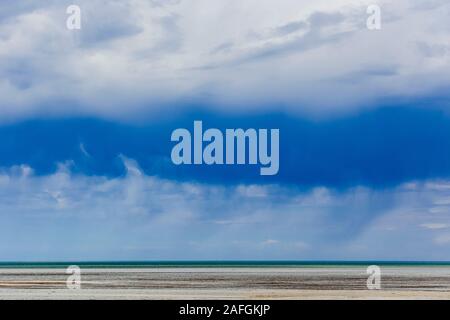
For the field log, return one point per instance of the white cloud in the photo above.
(270, 242)
(435, 226)
(84, 151)
(443, 239)
(70, 216)
(138, 56)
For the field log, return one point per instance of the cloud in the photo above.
(435, 226)
(358, 187)
(134, 57)
(270, 242)
(443, 239)
(70, 216)
(83, 150)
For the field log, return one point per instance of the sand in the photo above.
(228, 283)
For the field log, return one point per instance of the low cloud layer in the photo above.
(134, 57)
(71, 217)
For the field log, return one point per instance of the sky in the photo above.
(86, 118)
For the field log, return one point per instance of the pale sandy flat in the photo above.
(228, 283)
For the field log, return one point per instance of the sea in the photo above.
(217, 264)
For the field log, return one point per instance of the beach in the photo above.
(323, 282)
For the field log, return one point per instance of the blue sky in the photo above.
(86, 117)
(378, 148)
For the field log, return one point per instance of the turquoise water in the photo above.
(218, 264)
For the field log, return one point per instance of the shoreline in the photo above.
(216, 264)
(345, 282)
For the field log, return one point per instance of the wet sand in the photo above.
(228, 283)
